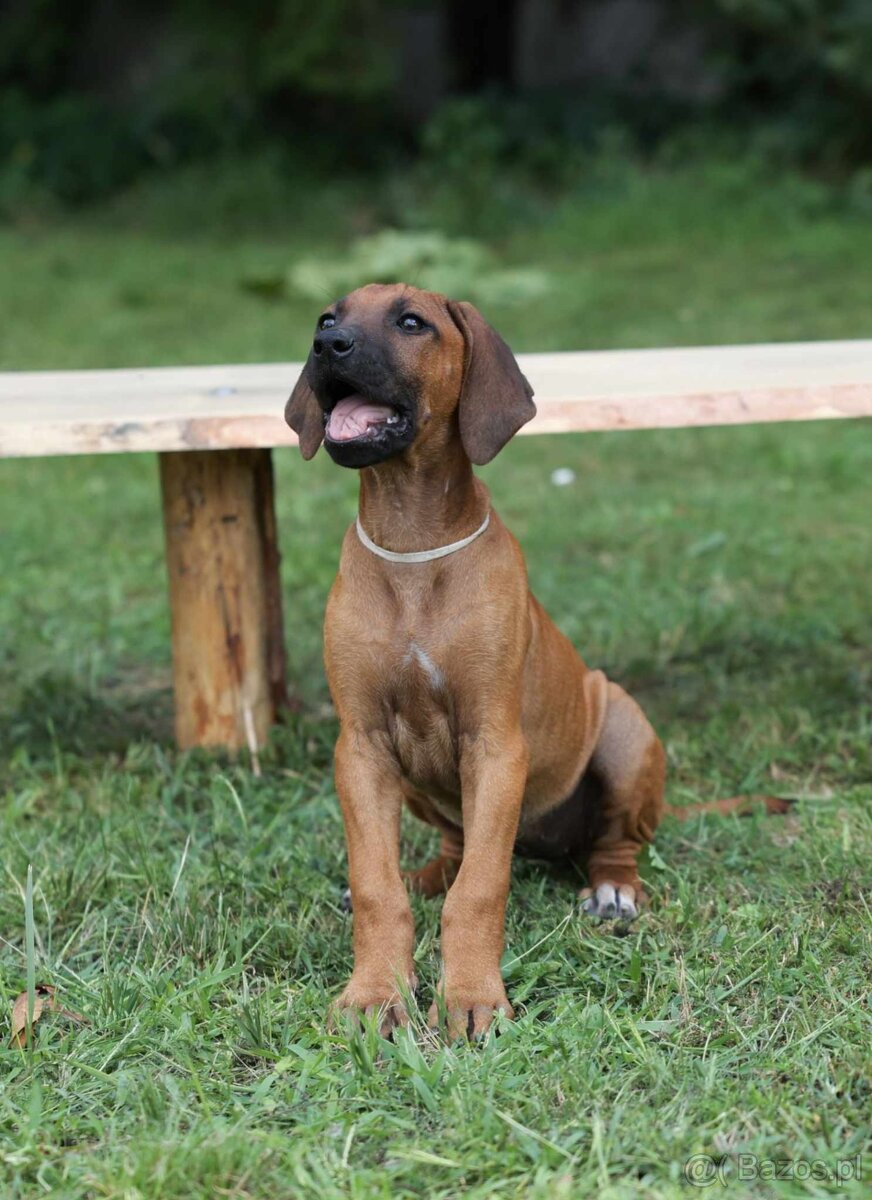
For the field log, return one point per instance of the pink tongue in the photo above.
(353, 416)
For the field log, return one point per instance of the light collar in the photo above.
(419, 556)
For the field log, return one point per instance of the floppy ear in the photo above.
(303, 414)
(495, 398)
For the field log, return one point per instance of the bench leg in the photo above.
(225, 597)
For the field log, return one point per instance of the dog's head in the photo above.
(393, 367)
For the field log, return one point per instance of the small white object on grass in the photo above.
(563, 476)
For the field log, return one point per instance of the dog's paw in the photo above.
(385, 1003)
(468, 1014)
(611, 901)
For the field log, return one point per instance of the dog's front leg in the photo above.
(493, 773)
(371, 799)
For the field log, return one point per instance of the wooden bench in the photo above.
(214, 428)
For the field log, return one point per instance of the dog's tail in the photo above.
(743, 805)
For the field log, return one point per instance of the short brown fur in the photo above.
(456, 694)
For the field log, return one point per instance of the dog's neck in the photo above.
(418, 502)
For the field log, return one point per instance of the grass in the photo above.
(713, 252)
(191, 911)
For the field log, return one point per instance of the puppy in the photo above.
(456, 695)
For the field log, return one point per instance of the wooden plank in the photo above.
(223, 407)
(222, 564)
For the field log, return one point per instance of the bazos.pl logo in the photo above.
(703, 1170)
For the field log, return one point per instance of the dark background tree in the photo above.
(94, 92)
(482, 39)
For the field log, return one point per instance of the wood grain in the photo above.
(222, 563)
(233, 407)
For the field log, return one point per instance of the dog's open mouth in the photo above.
(365, 427)
(355, 418)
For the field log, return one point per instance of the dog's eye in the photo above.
(410, 323)
(327, 321)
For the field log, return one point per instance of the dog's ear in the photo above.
(495, 398)
(303, 414)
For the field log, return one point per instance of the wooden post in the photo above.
(225, 597)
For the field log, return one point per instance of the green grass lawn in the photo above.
(713, 252)
(191, 911)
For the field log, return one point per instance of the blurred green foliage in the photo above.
(193, 266)
(91, 98)
(180, 80)
(805, 63)
(425, 258)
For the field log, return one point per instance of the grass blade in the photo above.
(30, 952)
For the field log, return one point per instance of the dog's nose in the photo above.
(338, 342)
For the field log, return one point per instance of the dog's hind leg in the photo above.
(436, 876)
(630, 765)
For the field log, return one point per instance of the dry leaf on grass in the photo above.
(43, 1001)
(774, 805)
(742, 806)
(44, 992)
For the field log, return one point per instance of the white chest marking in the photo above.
(424, 661)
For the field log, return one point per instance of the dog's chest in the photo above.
(420, 717)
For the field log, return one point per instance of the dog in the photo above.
(456, 694)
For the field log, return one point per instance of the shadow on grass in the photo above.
(823, 677)
(58, 712)
(720, 677)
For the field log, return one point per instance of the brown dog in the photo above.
(456, 694)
